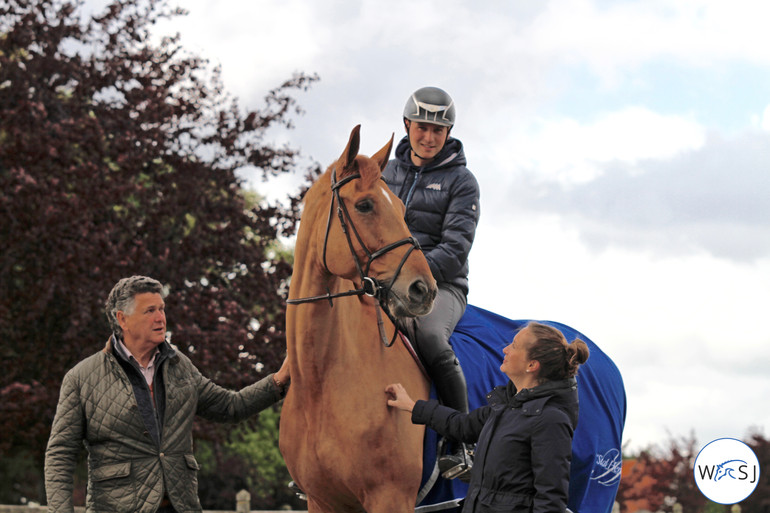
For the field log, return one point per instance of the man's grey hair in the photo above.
(123, 298)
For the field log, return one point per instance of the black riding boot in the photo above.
(453, 392)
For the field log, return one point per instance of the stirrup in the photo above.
(297, 491)
(461, 471)
(461, 468)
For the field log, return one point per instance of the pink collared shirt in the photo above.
(149, 371)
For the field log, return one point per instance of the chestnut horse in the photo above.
(354, 260)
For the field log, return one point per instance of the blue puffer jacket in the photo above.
(442, 207)
(524, 449)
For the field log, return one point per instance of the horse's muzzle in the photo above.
(416, 301)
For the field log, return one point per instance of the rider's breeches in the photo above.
(431, 337)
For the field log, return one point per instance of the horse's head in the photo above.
(367, 240)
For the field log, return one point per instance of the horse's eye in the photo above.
(365, 206)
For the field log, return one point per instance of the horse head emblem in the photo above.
(727, 469)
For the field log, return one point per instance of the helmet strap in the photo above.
(408, 125)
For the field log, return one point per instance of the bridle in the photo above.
(370, 286)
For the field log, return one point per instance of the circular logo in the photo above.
(726, 471)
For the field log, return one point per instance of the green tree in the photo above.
(118, 156)
(254, 451)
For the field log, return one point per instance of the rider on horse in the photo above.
(441, 196)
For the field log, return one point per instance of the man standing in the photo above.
(441, 196)
(132, 405)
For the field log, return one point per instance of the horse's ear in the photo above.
(382, 156)
(348, 157)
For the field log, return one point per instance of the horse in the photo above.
(356, 270)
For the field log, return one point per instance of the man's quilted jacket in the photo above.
(127, 470)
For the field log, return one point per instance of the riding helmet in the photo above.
(430, 105)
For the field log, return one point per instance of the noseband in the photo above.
(370, 286)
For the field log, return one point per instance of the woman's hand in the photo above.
(398, 397)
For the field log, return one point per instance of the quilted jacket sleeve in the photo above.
(64, 444)
(222, 405)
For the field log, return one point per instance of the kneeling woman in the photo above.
(524, 434)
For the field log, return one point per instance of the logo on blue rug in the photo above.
(607, 468)
(726, 471)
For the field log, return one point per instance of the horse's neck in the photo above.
(321, 331)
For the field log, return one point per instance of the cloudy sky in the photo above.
(623, 153)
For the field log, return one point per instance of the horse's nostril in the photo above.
(419, 291)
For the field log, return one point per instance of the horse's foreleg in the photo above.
(392, 505)
(317, 507)
(390, 499)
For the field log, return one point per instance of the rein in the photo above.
(370, 286)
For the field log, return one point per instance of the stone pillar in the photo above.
(242, 502)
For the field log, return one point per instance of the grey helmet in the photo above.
(430, 105)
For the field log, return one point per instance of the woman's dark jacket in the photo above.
(524, 447)
(442, 207)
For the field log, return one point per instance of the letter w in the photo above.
(707, 471)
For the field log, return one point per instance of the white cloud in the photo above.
(711, 199)
(620, 36)
(765, 121)
(567, 152)
(258, 44)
